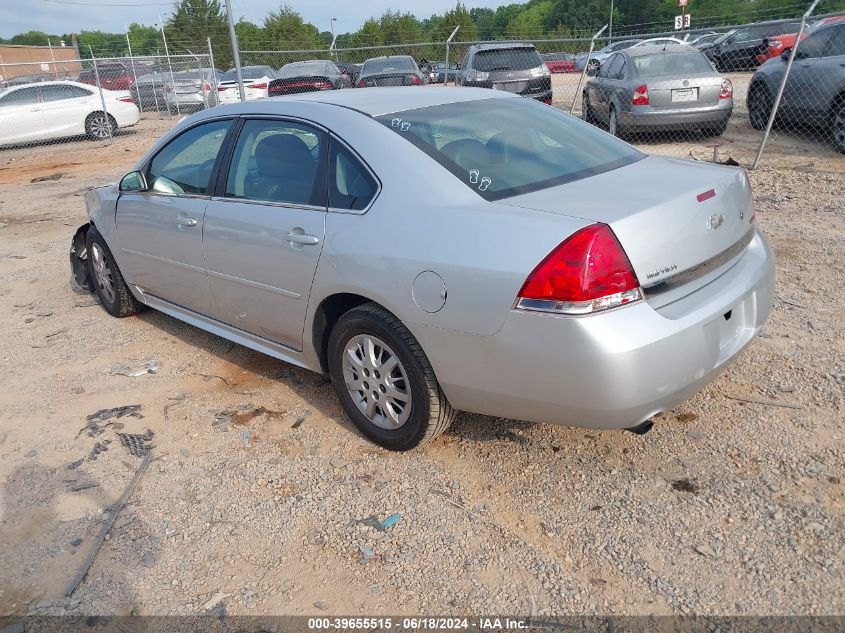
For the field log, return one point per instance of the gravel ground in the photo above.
(259, 492)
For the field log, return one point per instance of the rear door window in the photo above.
(351, 186)
(278, 161)
(184, 165)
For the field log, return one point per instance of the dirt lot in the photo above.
(726, 507)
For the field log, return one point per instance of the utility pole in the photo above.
(236, 55)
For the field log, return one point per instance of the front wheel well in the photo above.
(330, 310)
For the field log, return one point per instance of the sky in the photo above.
(66, 16)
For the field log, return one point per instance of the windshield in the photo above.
(724, 36)
(510, 146)
(672, 64)
(389, 65)
(303, 70)
(507, 59)
(247, 72)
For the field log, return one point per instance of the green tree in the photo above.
(251, 37)
(32, 38)
(145, 40)
(459, 16)
(286, 30)
(192, 23)
(400, 28)
(485, 22)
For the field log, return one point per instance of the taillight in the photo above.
(322, 85)
(415, 81)
(361, 84)
(206, 87)
(258, 86)
(547, 101)
(727, 89)
(640, 95)
(125, 99)
(586, 273)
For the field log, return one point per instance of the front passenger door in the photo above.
(264, 235)
(159, 230)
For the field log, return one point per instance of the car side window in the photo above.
(616, 68)
(817, 44)
(278, 161)
(837, 43)
(22, 96)
(62, 92)
(351, 186)
(605, 66)
(184, 165)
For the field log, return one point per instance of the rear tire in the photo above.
(108, 282)
(837, 128)
(368, 339)
(587, 110)
(759, 107)
(97, 126)
(613, 123)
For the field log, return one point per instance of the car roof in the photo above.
(492, 46)
(379, 101)
(58, 82)
(369, 59)
(660, 48)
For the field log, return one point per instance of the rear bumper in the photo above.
(191, 100)
(646, 118)
(611, 370)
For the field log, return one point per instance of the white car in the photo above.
(256, 82)
(58, 109)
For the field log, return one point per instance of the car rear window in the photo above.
(398, 64)
(303, 70)
(247, 72)
(507, 59)
(509, 146)
(672, 64)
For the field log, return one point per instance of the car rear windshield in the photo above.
(507, 59)
(302, 70)
(672, 64)
(247, 72)
(509, 146)
(392, 64)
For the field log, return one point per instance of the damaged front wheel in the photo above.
(106, 278)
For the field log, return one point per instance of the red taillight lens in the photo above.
(361, 83)
(221, 89)
(322, 85)
(415, 81)
(126, 99)
(640, 95)
(206, 87)
(547, 101)
(258, 86)
(586, 273)
(727, 90)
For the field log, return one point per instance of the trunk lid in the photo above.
(670, 215)
(677, 92)
(390, 79)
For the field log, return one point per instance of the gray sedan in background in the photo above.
(439, 250)
(658, 88)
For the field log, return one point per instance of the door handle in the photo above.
(184, 222)
(302, 238)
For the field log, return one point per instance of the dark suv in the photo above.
(738, 49)
(511, 66)
(815, 90)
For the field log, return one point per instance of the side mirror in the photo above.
(133, 181)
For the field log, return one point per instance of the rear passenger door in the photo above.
(264, 229)
(65, 108)
(817, 76)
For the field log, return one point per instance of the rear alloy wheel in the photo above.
(613, 122)
(108, 283)
(384, 380)
(837, 128)
(759, 107)
(587, 110)
(100, 126)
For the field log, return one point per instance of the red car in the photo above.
(774, 46)
(560, 62)
(112, 76)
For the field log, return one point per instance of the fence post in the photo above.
(446, 70)
(213, 70)
(102, 96)
(236, 54)
(170, 67)
(586, 65)
(776, 103)
(134, 75)
(52, 58)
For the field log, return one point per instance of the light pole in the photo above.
(610, 28)
(332, 21)
(236, 55)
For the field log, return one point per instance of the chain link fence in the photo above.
(96, 99)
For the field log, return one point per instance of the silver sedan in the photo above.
(658, 88)
(552, 273)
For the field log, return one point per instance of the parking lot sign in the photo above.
(682, 21)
